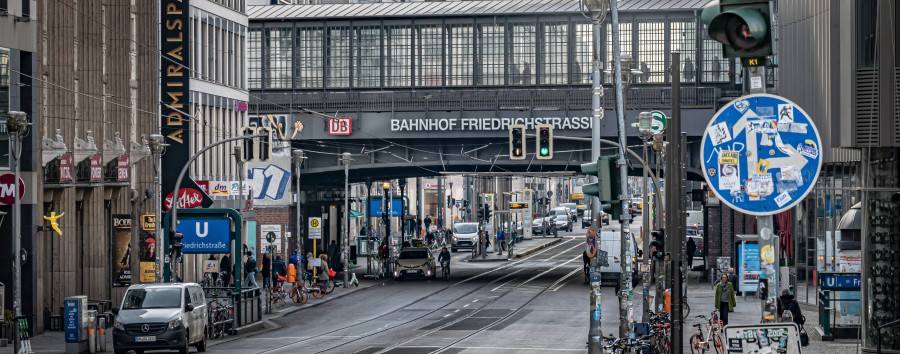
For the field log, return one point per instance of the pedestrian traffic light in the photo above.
(175, 245)
(517, 142)
(742, 26)
(544, 141)
(256, 147)
(658, 243)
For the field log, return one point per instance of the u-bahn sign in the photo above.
(761, 154)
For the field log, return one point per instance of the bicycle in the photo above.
(219, 316)
(276, 293)
(699, 343)
(445, 270)
(627, 345)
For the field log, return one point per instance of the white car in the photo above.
(562, 219)
(465, 235)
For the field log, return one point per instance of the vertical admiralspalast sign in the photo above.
(175, 95)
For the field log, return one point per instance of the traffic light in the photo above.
(487, 212)
(608, 183)
(517, 142)
(658, 243)
(257, 148)
(175, 246)
(742, 26)
(544, 142)
(480, 212)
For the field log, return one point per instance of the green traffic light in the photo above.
(545, 151)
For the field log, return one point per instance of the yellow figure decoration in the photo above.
(52, 219)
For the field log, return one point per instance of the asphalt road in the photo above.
(534, 304)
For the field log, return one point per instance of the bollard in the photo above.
(101, 334)
(91, 328)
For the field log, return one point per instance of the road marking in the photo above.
(476, 300)
(562, 281)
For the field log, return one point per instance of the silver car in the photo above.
(415, 262)
(562, 219)
(161, 316)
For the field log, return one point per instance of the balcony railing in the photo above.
(478, 100)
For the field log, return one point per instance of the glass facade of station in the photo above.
(465, 52)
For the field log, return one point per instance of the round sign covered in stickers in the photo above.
(761, 154)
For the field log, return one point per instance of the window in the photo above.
(522, 58)
(492, 54)
(4, 108)
(684, 40)
(624, 41)
(254, 59)
(866, 41)
(338, 57)
(715, 67)
(367, 57)
(279, 49)
(308, 58)
(584, 53)
(651, 52)
(398, 56)
(554, 67)
(459, 67)
(430, 64)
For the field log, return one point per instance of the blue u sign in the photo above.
(205, 235)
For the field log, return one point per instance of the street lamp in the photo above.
(345, 158)
(297, 158)
(157, 149)
(17, 127)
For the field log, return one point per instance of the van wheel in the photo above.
(201, 347)
(186, 347)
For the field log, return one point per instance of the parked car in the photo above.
(465, 235)
(415, 262)
(573, 210)
(562, 219)
(161, 316)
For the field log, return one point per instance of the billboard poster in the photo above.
(147, 252)
(268, 183)
(748, 266)
(121, 252)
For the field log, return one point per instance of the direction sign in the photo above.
(315, 228)
(658, 124)
(761, 154)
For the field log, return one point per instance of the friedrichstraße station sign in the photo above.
(446, 124)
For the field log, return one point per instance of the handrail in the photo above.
(893, 323)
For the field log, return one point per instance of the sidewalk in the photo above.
(520, 249)
(54, 342)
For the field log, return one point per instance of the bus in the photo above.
(577, 196)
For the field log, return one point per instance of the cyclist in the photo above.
(429, 239)
(444, 258)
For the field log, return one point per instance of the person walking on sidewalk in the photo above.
(690, 249)
(725, 300)
(267, 270)
(323, 276)
(225, 269)
(250, 269)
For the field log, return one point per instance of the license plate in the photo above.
(145, 339)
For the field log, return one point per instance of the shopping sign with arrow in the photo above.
(761, 154)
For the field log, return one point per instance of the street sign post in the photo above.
(761, 156)
(315, 228)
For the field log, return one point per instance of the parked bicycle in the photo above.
(700, 343)
(220, 315)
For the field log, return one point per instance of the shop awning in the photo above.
(355, 214)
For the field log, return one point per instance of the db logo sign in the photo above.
(340, 126)
(7, 191)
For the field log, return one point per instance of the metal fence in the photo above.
(566, 99)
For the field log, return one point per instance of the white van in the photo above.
(611, 243)
(695, 218)
(161, 316)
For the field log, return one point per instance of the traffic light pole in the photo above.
(674, 212)
(626, 315)
(175, 195)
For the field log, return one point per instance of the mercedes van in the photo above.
(161, 316)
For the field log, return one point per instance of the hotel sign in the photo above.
(175, 93)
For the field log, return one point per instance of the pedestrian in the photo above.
(334, 252)
(279, 270)
(732, 277)
(294, 259)
(324, 267)
(250, 270)
(225, 269)
(266, 270)
(690, 249)
(427, 224)
(499, 242)
(789, 310)
(586, 267)
(304, 266)
(418, 226)
(725, 298)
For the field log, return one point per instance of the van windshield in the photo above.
(152, 298)
(465, 228)
(561, 212)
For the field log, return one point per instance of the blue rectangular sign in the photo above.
(375, 207)
(205, 235)
(849, 281)
(748, 267)
(72, 320)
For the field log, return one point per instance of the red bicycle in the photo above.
(700, 344)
